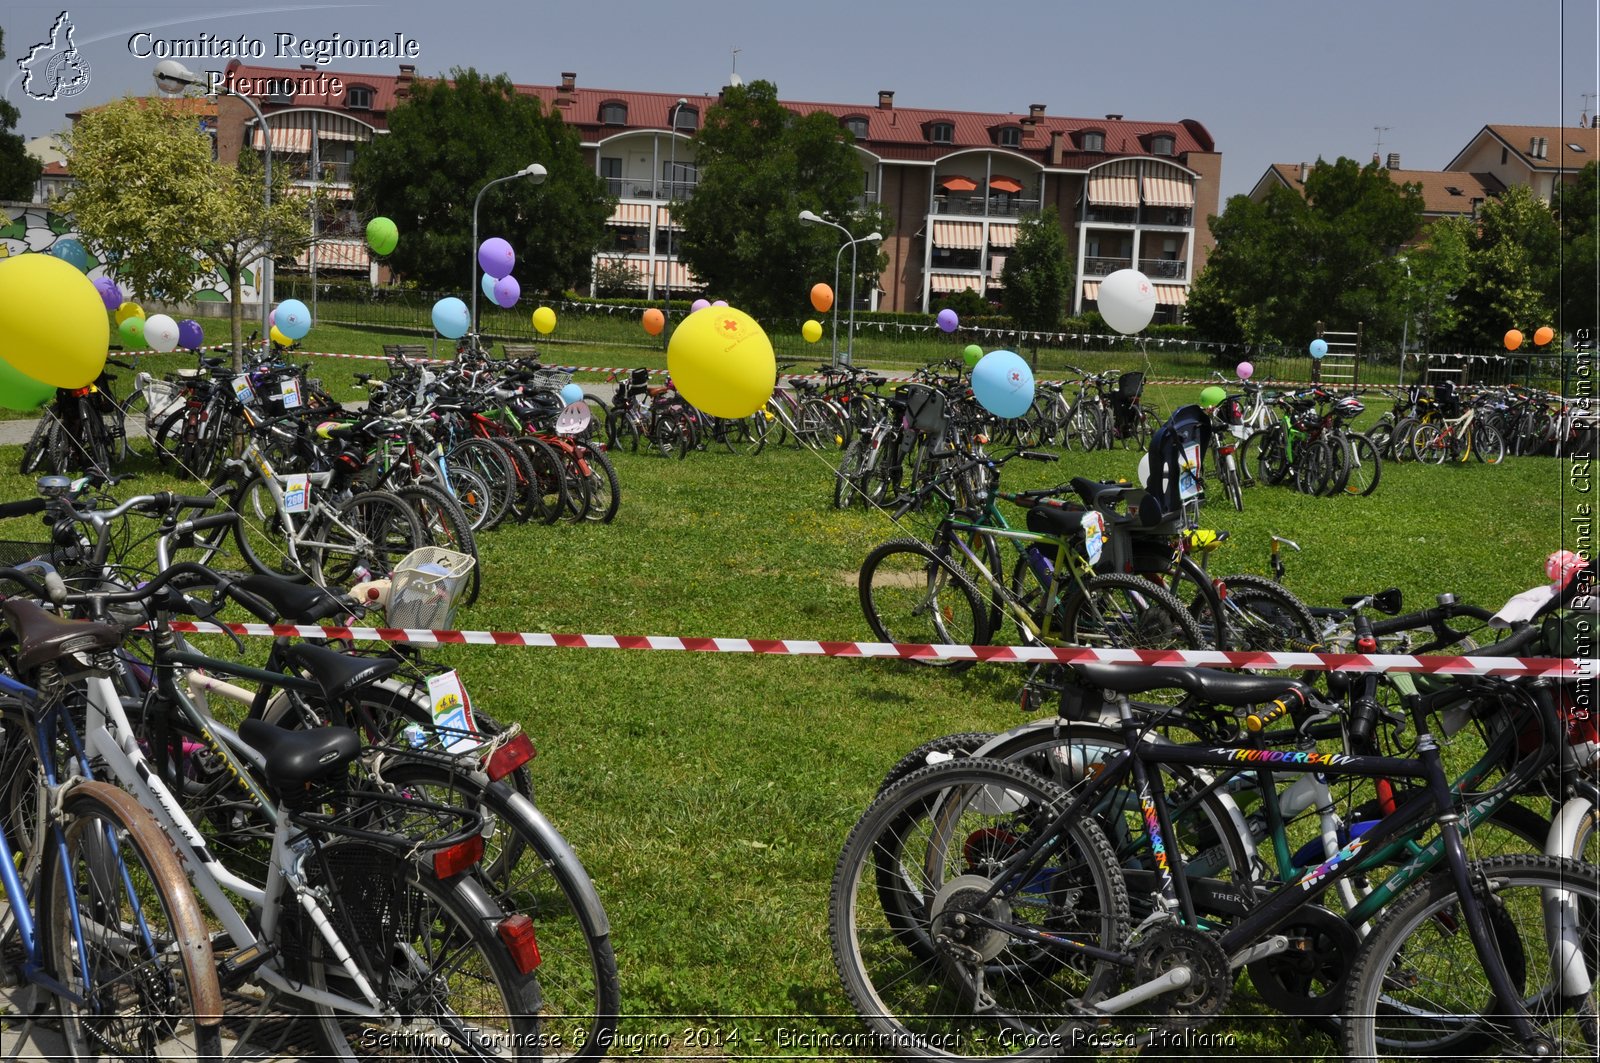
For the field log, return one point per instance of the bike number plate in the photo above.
(452, 712)
(297, 493)
(289, 393)
(1188, 486)
(1094, 536)
(242, 389)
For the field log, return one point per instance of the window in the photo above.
(613, 112)
(686, 118)
(678, 178)
(1008, 137)
(1094, 141)
(358, 98)
(1162, 144)
(1504, 155)
(1574, 147)
(857, 125)
(941, 132)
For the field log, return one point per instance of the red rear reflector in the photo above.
(509, 757)
(516, 931)
(453, 860)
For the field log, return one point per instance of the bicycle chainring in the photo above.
(1309, 979)
(1210, 985)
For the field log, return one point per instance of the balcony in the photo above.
(1101, 266)
(968, 206)
(1164, 269)
(336, 173)
(1176, 217)
(1111, 215)
(645, 188)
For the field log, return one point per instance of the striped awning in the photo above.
(296, 141)
(639, 266)
(338, 127)
(630, 214)
(1001, 235)
(1091, 291)
(337, 254)
(664, 217)
(1115, 185)
(963, 235)
(681, 277)
(1172, 294)
(955, 282)
(997, 264)
(1168, 191)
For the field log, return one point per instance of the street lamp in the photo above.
(850, 242)
(672, 184)
(1405, 325)
(533, 171)
(172, 77)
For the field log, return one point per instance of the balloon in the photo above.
(506, 292)
(948, 320)
(1245, 370)
(1319, 347)
(127, 310)
(722, 362)
(294, 319)
(486, 285)
(698, 305)
(544, 319)
(52, 322)
(812, 331)
(451, 319)
(571, 393)
(1127, 301)
(1513, 340)
(821, 298)
(1212, 395)
(110, 294)
(496, 257)
(279, 338)
(71, 252)
(161, 332)
(1543, 335)
(972, 354)
(132, 332)
(1003, 384)
(190, 334)
(18, 391)
(653, 321)
(382, 236)
(719, 302)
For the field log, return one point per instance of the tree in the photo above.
(444, 143)
(1578, 209)
(1036, 278)
(18, 169)
(1438, 269)
(148, 197)
(1512, 270)
(760, 165)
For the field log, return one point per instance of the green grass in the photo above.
(709, 795)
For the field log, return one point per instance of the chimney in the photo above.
(402, 84)
(308, 66)
(1113, 118)
(1304, 170)
(1544, 147)
(569, 81)
(565, 93)
(1057, 146)
(886, 99)
(1036, 111)
(1394, 161)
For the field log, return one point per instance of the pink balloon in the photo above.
(698, 305)
(1245, 370)
(720, 302)
(272, 318)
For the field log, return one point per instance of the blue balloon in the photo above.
(71, 251)
(571, 393)
(451, 319)
(293, 319)
(486, 285)
(1319, 347)
(1003, 384)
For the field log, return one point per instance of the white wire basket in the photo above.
(426, 588)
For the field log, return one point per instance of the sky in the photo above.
(1273, 80)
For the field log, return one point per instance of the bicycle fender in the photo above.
(558, 851)
(1563, 926)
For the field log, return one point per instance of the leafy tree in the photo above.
(1438, 269)
(18, 169)
(1578, 209)
(760, 165)
(1512, 270)
(444, 143)
(616, 278)
(1036, 277)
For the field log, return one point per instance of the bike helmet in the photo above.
(1349, 407)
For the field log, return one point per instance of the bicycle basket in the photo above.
(1130, 386)
(924, 405)
(426, 588)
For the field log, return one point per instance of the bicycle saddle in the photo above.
(43, 637)
(1216, 688)
(1095, 493)
(338, 674)
(294, 758)
(295, 603)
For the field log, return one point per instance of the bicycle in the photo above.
(1458, 438)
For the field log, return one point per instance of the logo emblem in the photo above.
(54, 69)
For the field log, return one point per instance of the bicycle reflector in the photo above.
(509, 757)
(454, 859)
(517, 933)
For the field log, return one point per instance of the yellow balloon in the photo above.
(279, 338)
(127, 310)
(52, 322)
(722, 362)
(812, 331)
(544, 319)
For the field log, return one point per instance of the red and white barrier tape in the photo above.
(1555, 667)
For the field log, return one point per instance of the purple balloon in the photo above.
(496, 257)
(720, 302)
(507, 291)
(948, 320)
(698, 305)
(110, 294)
(189, 334)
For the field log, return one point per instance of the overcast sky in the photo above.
(1274, 81)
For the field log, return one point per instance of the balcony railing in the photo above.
(1175, 216)
(1101, 266)
(326, 172)
(969, 206)
(644, 188)
(1164, 269)
(1111, 215)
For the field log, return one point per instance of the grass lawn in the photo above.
(709, 795)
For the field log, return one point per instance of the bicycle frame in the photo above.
(1047, 570)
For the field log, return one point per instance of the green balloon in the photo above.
(19, 391)
(132, 330)
(1212, 395)
(973, 353)
(382, 236)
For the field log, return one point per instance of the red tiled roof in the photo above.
(1561, 155)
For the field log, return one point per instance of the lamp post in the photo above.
(172, 77)
(672, 185)
(1405, 325)
(534, 171)
(850, 242)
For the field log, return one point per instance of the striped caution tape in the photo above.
(1553, 667)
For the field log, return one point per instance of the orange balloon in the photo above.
(654, 321)
(821, 297)
(1543, 335)
(1513, 340)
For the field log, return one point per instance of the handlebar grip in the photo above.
(1291, 703)
(1037, 455)
(22, 508)
(1512, 644)
(1363, 715)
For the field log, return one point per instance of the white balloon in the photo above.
(1127, 300)
(161, 332)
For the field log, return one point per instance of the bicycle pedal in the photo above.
(238, 967)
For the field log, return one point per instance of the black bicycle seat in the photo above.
(1216, 688)
(294, 758)
(339, 674)
(296, 603)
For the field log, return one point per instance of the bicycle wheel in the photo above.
(850, 478)
(549, 482)
(1337, 471)
(576, 483)
(605, 490)
(931, 984)
(37, 448)
(1419, 987)
(366, 536)
(443, 523)
(911, 595)
(1488, 444)
(1128, 612)
(1228, 472)
(1402, 446)
(446, 971)
(1265, 616)
(125, 937)
(260, 535)
(498, 476)
(962, 744)
(1085, 426)
(1431, 445)
(1271, 446)
(1366, 465)
(1312, 459)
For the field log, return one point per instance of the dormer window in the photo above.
(857, 125)
(613, 112)
(358, 98)
(1162, 144)
(1093, 140)
(941, 132)
(686, 118)
(1009, 136)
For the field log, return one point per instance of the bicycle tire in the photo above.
(1266, 616)
(1151, 619)
(549, 495)
(521, 500)
(849, 479)
(1366, 465)
(1403, 445)
(37, 449)
(605, 490)
(126, 874)
(1228, 473)
(576, 482)
(930, 600)
(443, 523)
(494, 468)
(961, 744)
(1488, 445)
(379, 527)
(260, 536)
(1272, 455)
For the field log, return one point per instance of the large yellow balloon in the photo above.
(127, 310)
(722, 362)
(52, 322)
(812, 331)
(279, 338)
(544, 319)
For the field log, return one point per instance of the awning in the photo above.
(639, 266)
(681, 277)
(338, 133)
(1115, 185)
(664, 217)
(1005, 184)
(955, 282)
(633, 214)
(337, 254)
(997, 264)
(294, 141)
(1168, 192)
(957, 183)
(1172, 294)
(1091, 291)
(963, 235)
(1001, 235)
